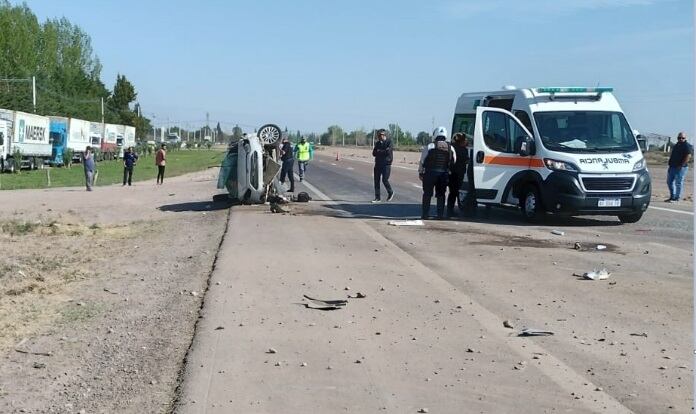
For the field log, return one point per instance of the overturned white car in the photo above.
(250, 169)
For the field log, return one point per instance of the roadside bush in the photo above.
(17, 159)
(67, 157)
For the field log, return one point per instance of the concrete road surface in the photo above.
(430, 334)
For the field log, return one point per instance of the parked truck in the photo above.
(79, 137)
(109, 147)
(130, 136)
(6, 119)
(29, 139)
(58, 135)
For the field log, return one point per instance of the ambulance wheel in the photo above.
(530, 204)
(269, 134)
(630, 218)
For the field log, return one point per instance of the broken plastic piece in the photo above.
(406, 222)
(358, 296)
(601, 247)
(325, 304)
(534, 332)
(597, 275)
(558, 232)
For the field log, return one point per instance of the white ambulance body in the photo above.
(567, 151)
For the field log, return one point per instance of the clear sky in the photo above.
(308, 64)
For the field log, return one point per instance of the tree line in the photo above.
(59, 55)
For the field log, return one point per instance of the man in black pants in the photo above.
(383, 153)
(458, 171)
(436, 160)
(129, 160)
(288, 160)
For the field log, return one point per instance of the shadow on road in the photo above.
(197, 206)
(498, 216)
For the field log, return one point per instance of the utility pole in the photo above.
(344, 139)
(102, 109)
(33, 91)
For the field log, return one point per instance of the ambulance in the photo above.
(560, 150)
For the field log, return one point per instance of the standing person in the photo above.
(304, 154)
(678, 167)
(88, 163)
(458, 171)
(129, 160)
(436, 160)
(288, 160)
(384, 154)
(160, 161)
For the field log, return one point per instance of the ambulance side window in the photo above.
(498, 131)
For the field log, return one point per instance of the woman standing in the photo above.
(160, 161)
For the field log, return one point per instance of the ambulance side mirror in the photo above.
(527, 147)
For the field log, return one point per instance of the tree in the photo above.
(423, 138)
(124, 94)
(236, 133)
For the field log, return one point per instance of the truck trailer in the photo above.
(29, 138)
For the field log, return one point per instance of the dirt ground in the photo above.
(100, 292)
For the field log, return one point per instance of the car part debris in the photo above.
(577, 246)
(303, 197)
(277, 208)
(406, 223)
(558, 232)
(508, 324)
(324, 304)
(597, 275)
(534, 332)
(358, 295)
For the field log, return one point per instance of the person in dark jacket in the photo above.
(384, 154)
(88, 162)
(678, 167)
(129, 160)
(436, 160)
(458, 170)
(286, 156)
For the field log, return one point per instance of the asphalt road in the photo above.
(348, 182)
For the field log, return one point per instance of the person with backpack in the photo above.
(436, 160)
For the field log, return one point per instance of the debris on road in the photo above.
(508, 324)
(643, 334)
(577, 246)
(271, 351)
(406, 223)
(423, 410)
(601, 247)
(39, 365)
(597, 275)
(558, 232)
(277, 208)
(219, 328)
(358, 295)
(325, 304)
(534, 332)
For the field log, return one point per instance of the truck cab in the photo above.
(58, 136)
(566, 151)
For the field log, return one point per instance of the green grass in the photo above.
(111, 172)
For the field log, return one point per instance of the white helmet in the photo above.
(440, 132)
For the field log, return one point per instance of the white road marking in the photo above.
(672, 210)
(333, 163)
(415, 185)
(350, 168)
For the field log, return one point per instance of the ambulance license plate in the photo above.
(609, 202)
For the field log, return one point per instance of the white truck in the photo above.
(25, 134)
(130, 136)
(79, 137)
(109, 144)
(562, 150)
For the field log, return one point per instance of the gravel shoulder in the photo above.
(101, 291)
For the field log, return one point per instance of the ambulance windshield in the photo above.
(585, 131)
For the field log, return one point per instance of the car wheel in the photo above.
(630, 218)
(269, 134)
(530, 204)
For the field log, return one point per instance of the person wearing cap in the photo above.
(678, 167)
(458, 170)
(304, 155)
(384, 154)
(436, 160)
(286, 156)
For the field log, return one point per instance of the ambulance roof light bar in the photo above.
(573, 93)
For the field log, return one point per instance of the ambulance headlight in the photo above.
(557, 165)
(639, 165)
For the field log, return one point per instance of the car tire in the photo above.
(530, 204)
(630, 218)
(269, 134)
